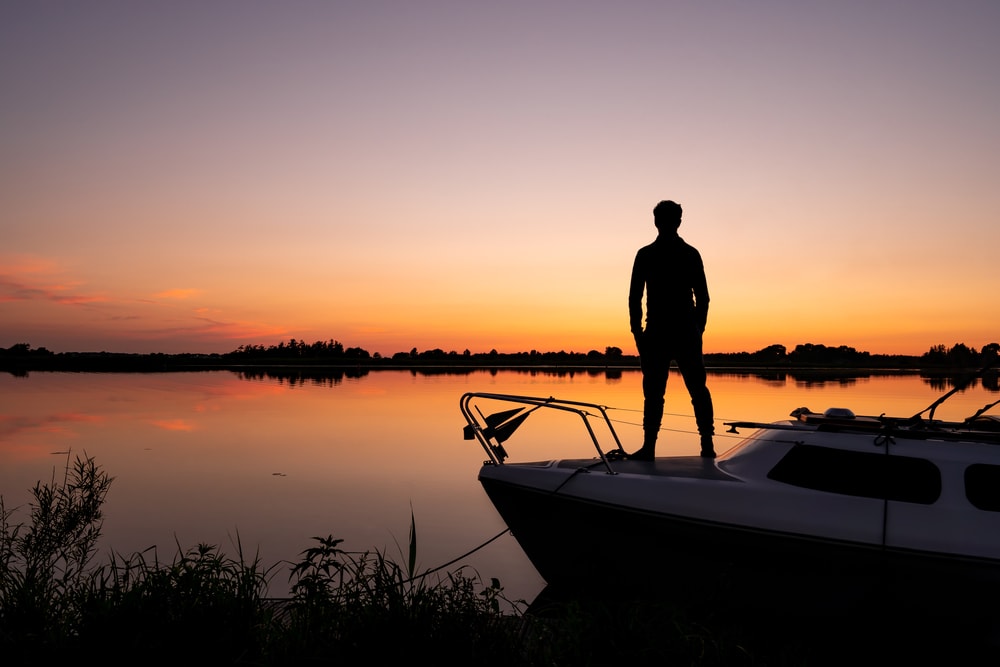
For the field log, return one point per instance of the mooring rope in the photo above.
(455, 560)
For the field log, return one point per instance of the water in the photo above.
(270, 461)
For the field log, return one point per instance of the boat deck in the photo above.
(694, 467)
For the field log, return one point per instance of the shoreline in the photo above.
(316, 368)
(335, 359)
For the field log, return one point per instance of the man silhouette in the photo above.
(673, 277)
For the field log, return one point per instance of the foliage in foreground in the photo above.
(205, 607)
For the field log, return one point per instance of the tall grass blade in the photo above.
(412, 562)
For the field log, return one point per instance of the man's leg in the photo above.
(692, 367)
(655, 369)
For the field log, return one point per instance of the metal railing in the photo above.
(494, 429)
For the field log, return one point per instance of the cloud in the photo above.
(45, 292)
(76, 299)
(203, 327)
(12, 290)
(39, 279)
(178, 293)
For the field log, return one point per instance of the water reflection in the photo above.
(806, 378)
(989, 381)
(276, 456)
(293, 376)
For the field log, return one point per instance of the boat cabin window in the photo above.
(869, 475)
(982, 486)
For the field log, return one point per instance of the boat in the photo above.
(820, 504)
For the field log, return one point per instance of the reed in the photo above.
(44, 575)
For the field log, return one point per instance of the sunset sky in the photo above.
(194, 176)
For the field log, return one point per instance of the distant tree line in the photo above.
(962, 355)
(809, 354)
(298, 349)
(332, 352)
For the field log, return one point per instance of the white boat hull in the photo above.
(681, 522)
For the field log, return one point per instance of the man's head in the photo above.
(667, 216)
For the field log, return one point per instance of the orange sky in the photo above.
(189, 178)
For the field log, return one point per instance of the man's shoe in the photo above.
(642, 454)
(707, 448)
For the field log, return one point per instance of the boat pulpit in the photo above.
(495, 428)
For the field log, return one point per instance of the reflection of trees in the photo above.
(769, 376)
(805, 377)
(818, 379)
(946, 381)
(303, 375)
(809, 377)
(441, 370)
(939, 382)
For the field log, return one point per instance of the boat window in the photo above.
(870, 475)
(982, 486)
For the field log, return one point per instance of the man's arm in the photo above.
(700, 288)
(637, 286)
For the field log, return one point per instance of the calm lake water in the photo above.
(270, 460)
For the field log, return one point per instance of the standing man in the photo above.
(673, 276)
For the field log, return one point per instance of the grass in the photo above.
(204, 607)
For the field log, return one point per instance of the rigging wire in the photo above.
(665, 414)
(673, 430)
